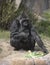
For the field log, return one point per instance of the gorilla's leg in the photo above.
(15, 43)
(39, 41)
(32, 45)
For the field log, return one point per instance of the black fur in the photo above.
(24, 36)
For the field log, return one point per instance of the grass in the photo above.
(34, 54)
(4, 34)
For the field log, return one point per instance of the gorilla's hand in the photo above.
(44, 50)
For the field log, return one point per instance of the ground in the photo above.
(6, 49)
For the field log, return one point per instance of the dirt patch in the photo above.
(6, 49)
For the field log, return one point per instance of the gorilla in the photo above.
(23, 34)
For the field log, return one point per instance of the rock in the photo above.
(5, 49)
(14, 60)
(10, 57)
(39, 62)
(47, 59)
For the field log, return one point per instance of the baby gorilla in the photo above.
(24, 36)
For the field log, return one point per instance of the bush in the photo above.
(7, 10)
(46, 14)
(44, 25)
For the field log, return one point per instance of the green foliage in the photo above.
(0, 50)
(34, 54)
(47, 15)
(44, 25)
(7, 10)
(4, 34)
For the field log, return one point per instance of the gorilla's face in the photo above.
(24, 24)
(24, 28)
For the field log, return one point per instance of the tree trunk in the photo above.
(36, 6)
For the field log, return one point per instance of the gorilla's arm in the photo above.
(14, 34)
(38, 40)
(14, 28)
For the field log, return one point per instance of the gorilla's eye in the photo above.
(25, 23)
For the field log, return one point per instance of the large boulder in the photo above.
(14, 60)
(5, 49)
(10, 57)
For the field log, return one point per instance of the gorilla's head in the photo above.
(24, 21)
